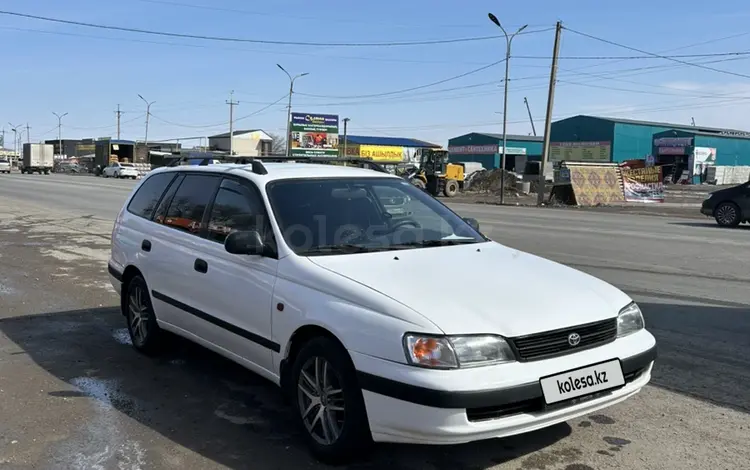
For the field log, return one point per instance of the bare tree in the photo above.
(278, 145)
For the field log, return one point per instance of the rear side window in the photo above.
(236, 207)
(145, 200)
(189, 203)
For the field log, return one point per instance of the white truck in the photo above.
(38, 158)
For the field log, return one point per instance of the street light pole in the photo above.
(59, 131)
(15, 128)
(289, 109)
(148, 114)
(508, 41)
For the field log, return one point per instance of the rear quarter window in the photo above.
(144, 202)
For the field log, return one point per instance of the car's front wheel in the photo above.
(727, 214)
(329, 402)
(145, 333)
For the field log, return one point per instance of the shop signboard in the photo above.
(489, 149)
(315, 135)
(673, 142)
(580, 151)
(643, 184)
(512, 150)
(672, 150)
(382, 152)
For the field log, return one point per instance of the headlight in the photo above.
(452, 352)
(630, 320)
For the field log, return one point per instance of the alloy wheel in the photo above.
(139, 314)
(727, 214)
(320, 400)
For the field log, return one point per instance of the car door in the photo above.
(743, 200)
(174, 246)
(237, 290)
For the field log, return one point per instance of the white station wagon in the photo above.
(299, 273)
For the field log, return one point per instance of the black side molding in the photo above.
(447, 399)
(115, 273)
(479, 399)
(266, 343)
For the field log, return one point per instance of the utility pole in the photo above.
(346, 122)
(231, 104)
(59, 131)
(148, 115)
(28, 133)
(289, 109)
(548, 119)
(531, 119)
(508, 41)
(118, 113)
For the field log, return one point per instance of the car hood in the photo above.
(483, 288)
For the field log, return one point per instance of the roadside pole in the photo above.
(346, 121)
(548, 120)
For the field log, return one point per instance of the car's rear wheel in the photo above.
(145, 333)
(727, 214)
(329, 402)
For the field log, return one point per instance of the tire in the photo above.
(350, 436)
(727, 214)
(145, 333)
(451, 188)
(419, 183)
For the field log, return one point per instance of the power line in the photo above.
(255, 41)
(107, 127)
(638, 57)
(285, 16)
(691, 64)
(406, 90)
(239, 49)
(221, 124)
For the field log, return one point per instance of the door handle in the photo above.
(200, 265)
(146, 245)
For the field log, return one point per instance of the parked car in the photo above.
(4, 165)
(120, 170)
(730, 206)
(298, 273)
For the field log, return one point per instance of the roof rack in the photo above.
(255, 166)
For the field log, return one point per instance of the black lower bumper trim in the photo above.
(479, 399)
(115, 273)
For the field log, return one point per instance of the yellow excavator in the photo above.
(436, 176)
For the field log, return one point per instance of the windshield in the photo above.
(357, 215)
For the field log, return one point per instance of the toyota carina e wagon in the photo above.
(304, 274)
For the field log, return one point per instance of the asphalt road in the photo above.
(73, 394)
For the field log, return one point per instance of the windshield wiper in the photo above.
(342, 249)
(434, 243)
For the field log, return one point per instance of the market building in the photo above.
(591, 138)
(395, 149)
(487, 149)
(249, 142)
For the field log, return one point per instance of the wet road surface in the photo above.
(74, 394)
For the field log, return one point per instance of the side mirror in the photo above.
(245, 243)
(474, 223)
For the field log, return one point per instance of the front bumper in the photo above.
(410, 405)
(707, 208)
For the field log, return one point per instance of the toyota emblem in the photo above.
(574, 339)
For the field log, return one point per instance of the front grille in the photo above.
(555, 343)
